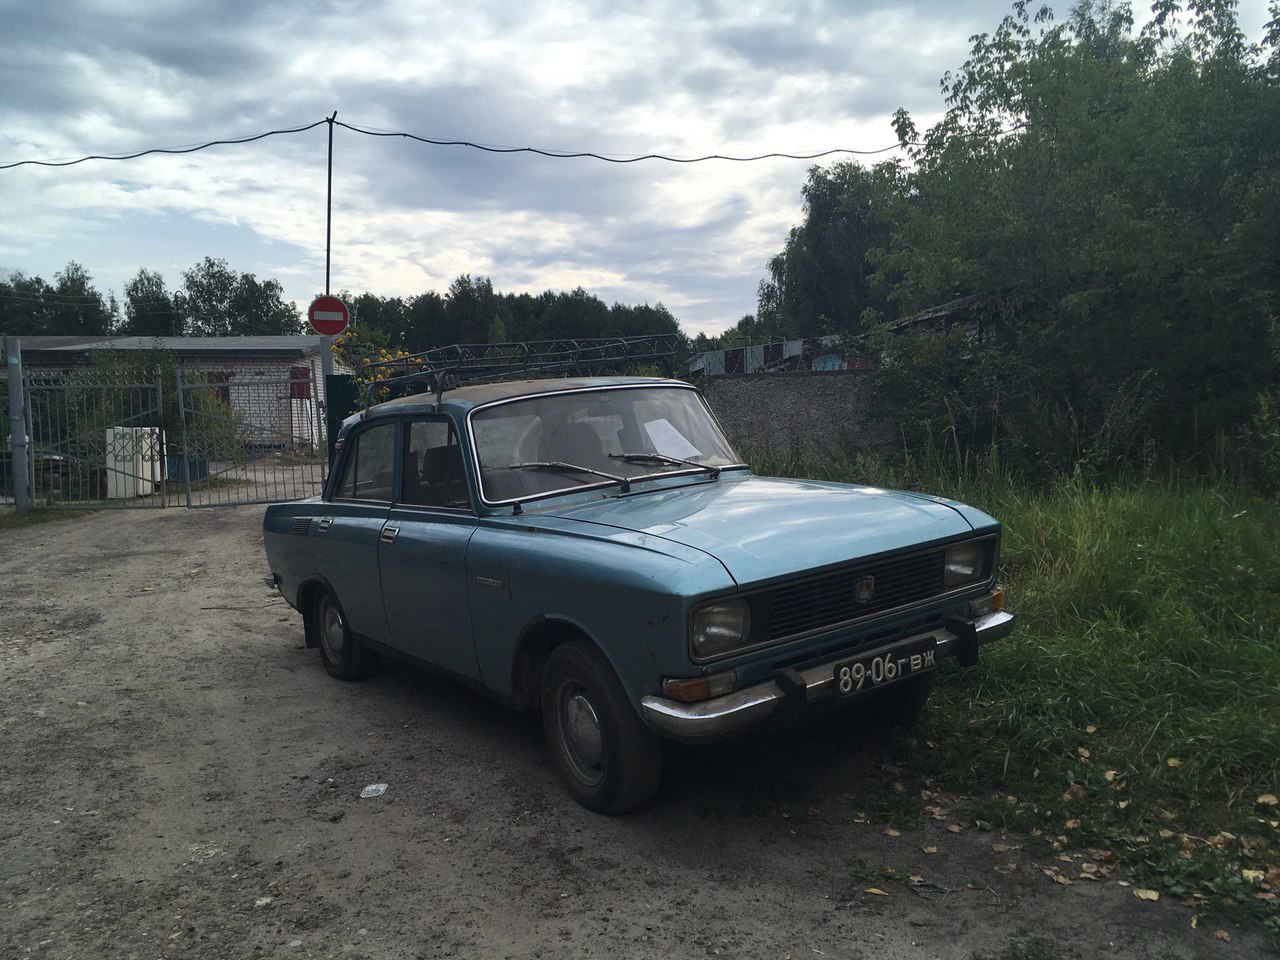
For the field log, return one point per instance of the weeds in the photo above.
(10, 519)
(1137, 705)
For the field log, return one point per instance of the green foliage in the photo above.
(148, 308)
(207, 414)
(472, 311)
(215, 301)
(1263, 442)
(30, 307)
(821, 282)
(1107, 203)
(1115, 196)
(1137, 704)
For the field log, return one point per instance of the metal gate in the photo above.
(95, 442)
(257, 438)
(186, 438)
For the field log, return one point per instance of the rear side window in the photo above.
(370, 465)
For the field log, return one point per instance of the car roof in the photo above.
(466, 398)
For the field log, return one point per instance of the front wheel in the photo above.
(342, 654)
(610, 761)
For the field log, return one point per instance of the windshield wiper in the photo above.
(663, 458)
(560, 465)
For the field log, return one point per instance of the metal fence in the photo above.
(93, 441)
(256, 439)
(6, 458)
(181, 437)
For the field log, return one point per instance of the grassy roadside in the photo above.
(10, 519)
(1137, 706)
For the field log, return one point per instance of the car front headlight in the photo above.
(963, 564)
(717, 628)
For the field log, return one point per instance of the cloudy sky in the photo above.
(622, 78)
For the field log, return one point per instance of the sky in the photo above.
(683, 78)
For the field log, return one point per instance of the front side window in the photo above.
(562, 441)
(369, 469)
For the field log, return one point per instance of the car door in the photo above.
(346, 536)
(423, 547)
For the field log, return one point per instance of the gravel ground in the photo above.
(179, 777)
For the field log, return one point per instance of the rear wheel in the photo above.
(342, 654)
(610, 761)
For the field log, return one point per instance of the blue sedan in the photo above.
(594, 549)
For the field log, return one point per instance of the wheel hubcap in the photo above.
(582, 733)
(333, 632)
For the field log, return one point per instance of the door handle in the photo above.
(389, 534)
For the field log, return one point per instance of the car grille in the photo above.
(827, 601)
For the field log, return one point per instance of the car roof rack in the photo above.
(461, 364)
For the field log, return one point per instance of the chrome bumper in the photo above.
(721, 716)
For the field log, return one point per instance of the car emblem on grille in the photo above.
(864, 588)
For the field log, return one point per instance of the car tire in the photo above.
(342, 654)
(610, 761)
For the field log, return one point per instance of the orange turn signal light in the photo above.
(693, 689)
(993, 602)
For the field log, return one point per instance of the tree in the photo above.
(821, 282)
(425, 322)
(148, 307)
(640, 321)
(71, 307)
(576, 315)
(215, 301)
(473, 313)
(80, 308)
(27, 308)
(386, 314)
(1114, 197)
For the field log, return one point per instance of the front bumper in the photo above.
(733, 712)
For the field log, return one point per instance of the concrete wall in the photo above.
(823, 415)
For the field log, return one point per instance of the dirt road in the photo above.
(179, 777)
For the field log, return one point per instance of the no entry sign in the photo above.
(328, 316)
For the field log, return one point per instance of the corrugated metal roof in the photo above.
(300, 345)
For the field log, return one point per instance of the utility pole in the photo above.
(328, 216)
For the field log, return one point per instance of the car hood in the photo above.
(764, 528)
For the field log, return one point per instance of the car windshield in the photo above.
(562, 441)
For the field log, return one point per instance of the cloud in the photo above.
(622, 78)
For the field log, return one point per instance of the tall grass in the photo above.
(1139, 697)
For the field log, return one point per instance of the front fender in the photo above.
(631, 601)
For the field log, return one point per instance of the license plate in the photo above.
(874, 670)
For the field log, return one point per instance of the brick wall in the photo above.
(273, 397)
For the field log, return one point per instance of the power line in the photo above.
(143, 153)
(439, 142)
(610, 158)
(489, 148)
